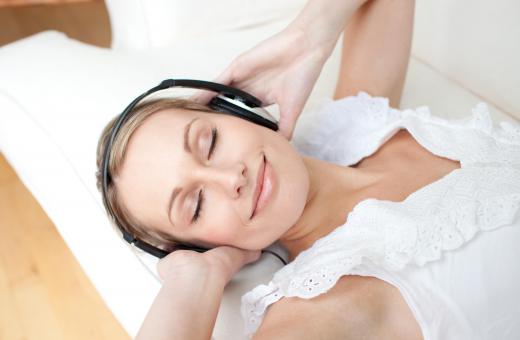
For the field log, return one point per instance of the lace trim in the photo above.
(360, 123)
(340, 124)
(473, 140)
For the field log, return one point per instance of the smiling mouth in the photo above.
(259, 186)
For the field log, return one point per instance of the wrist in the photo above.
(191, 277)
(313, 41)
(193, 271)
(323, 21)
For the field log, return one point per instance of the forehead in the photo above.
(163, 129)
(151, 149)
(163, 121)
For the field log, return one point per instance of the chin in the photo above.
(274, 226)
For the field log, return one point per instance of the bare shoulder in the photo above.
(356, 307)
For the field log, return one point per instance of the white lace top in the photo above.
(452, 248)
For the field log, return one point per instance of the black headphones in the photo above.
(228, 100)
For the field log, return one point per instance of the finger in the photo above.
(226, 77)
(233, 258)
(238, 257)
(161, 269)
(204, 97)
(288, 117)
(177, 259)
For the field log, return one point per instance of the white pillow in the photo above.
(475, 43)
(140, 24)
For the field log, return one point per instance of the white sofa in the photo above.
(56, 94)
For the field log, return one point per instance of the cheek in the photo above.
(221, 226)
(240, 137)
(220, 236)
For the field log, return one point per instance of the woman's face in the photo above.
(170, 156)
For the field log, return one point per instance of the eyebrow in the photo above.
(187, 148)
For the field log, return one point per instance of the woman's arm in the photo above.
(322, 21)
(357, 307)
(188, 302)
(376, 50)
(185, 308)
(352, 309)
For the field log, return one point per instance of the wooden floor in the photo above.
(84, 21)
(44, 293)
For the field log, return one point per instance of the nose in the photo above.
(233, 178)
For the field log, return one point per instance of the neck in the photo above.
(333, 191)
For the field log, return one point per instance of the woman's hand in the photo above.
(281, 70)
(284, 68)
(223, 262)
(192, 287)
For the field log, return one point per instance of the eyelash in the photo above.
(199, 207)
(200, 201)
(214, 134)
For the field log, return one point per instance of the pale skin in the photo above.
(310, 199)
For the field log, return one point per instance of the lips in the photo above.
(259, 183)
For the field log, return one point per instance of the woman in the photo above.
(392, 219)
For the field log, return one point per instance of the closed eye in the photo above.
(198, 209)
(214, 135)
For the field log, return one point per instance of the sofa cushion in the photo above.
(476, 44)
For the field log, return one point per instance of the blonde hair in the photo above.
(117, 156)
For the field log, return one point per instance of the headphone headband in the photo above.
(229, 100)
(227, 91)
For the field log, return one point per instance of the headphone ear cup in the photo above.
(225, 106)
